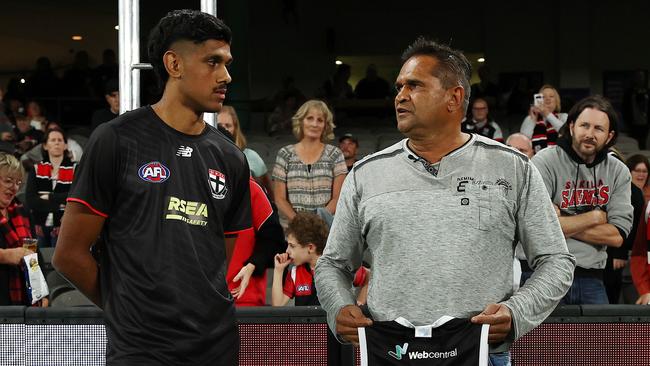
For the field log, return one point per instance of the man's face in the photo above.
(421, 101)
(297, 252)
(590, 133)
(349, 148)
(113, 100)
(524, 146)
(204, 74)
(480, 111)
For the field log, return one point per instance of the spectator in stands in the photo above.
(308, 175)
(227, 118)
(591, 193)
(617, 258)
(522, 143)
(636, 108)
(43, 82)
(34, 155)
(639, 167)
(306, 237)
(36, 115)
(26, 135)
(47, 188)
(14, 226)
(544, 121)
(485, 89)
(337, 87)
(409, 205)
(255, 248)
(349, 145)
(481, 122)
(372, 86)
(108, 70)
(77, 79)
(280, 119)
(639, 263)
(112, 97)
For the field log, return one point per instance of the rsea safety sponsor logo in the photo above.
(190, 212)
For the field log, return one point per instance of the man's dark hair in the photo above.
(309, 228)
(453, 68)
(594, 102)
(182, 25)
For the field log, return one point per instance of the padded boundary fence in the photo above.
(572, 335)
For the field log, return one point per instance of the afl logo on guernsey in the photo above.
(153, 172)
(217, 183)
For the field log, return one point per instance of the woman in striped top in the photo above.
(308, 175)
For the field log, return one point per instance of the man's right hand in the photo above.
(348, 320)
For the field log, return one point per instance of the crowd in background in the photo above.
(38, 160)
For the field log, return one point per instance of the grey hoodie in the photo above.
(576, 187)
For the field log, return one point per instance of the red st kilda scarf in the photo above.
(13, 229)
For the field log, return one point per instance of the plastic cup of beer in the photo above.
(30, 243)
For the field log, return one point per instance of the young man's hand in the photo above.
(348, 320)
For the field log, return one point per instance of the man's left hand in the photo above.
(500, 320)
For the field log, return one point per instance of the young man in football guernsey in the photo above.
(163, 190)
(441, 212)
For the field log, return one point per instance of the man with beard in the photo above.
(349, 145)
(591, 193)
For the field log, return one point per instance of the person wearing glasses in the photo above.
(14, 227)
(481, 123)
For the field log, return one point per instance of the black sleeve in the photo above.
(98, 173)
(269, 240)
(637, 204)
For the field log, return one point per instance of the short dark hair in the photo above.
(309, 228)
(635, 160)
(186, 25)
(453, 67)
(594, 102)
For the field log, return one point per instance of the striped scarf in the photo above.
(13, 229)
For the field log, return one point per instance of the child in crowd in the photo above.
(306, 235)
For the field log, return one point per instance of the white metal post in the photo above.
(210, 7)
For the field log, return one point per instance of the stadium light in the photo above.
(77, 38)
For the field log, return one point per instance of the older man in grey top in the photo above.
(441, 212)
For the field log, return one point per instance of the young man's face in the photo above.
(590, 133)
(421, 101)
(203, 74)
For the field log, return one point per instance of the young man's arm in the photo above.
(278, 297)
(80, 227)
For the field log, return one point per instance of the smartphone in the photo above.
(538, 100)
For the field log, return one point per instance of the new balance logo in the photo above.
(399, 351)
(184, 151)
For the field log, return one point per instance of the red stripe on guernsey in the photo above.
(233, 232)
(94, 210)
(66, 174)
(263, 209)
(44, 170)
